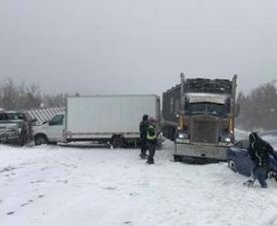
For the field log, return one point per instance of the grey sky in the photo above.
(136, 46)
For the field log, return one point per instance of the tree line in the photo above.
(21, 96)
(258, 109)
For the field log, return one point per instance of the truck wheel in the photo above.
(177, 158)
(117, 141)
(40, 139)
(232, 165)
(53, 143)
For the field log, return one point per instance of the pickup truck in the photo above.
(15, 127)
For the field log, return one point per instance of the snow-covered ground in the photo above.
(56, 186)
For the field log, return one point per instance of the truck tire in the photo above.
(41, 139)
(177, 158)
(117, 141)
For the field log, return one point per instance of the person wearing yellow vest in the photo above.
(151, 141)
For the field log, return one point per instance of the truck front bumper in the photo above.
(9, 137)
(200, 151)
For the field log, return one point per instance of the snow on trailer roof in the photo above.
(204, 85)
(208, 85)
(206, 97)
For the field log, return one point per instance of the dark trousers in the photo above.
(143, 147)
(260, 173)
(152, 150)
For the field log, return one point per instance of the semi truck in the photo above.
(199, 116)
(112, 119)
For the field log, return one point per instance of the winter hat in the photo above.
(145, 117)
(253, 136)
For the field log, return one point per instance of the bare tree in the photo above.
(259, 108)
(25, 97)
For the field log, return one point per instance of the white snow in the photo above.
(56, 186)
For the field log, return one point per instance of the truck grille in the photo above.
(204, 130)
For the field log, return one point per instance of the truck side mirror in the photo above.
(45, 122)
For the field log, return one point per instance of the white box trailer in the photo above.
(110, 118)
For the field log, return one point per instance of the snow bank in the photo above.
(51, 185)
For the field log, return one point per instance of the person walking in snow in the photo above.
(151, 141)
(260, 152)
(143, 126)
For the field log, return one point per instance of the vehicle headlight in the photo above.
(19, 130)
(227, 139)
(181, 135)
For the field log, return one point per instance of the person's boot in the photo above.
(248, 183)
(150, 162)
(143, 156)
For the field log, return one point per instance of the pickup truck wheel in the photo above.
(40, 139)
(232, 165)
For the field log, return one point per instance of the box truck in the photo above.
(110, 119)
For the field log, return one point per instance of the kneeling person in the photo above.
(260, 152)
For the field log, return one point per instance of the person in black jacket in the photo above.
(143, 126)
(260, 152)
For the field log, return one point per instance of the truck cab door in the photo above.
(55, 128)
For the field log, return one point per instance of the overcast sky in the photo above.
(136, 46)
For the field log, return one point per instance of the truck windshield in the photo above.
(207, 108)
(16, 116)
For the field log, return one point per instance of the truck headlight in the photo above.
(227, 139)
(181, 135)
